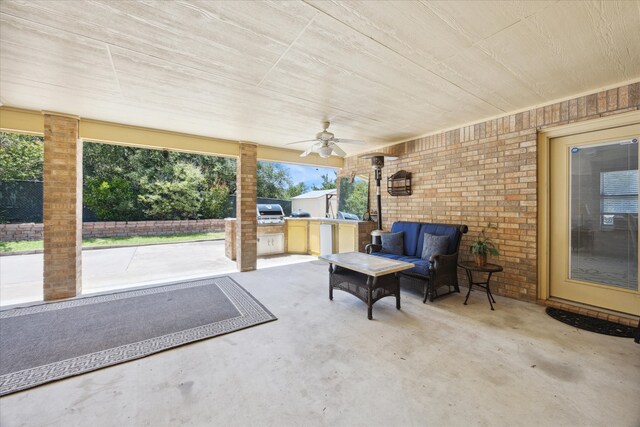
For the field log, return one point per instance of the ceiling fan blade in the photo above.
(307, 152)
(337, 150)
(299, 142)
(348, 141)
(312, 149)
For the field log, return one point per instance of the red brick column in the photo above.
(246, 218)
(62, 207)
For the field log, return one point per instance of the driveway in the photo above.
(117, 268)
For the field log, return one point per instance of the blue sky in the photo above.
(310, 175)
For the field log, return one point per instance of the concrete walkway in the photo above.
(117, 268)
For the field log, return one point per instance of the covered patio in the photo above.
(482, 103)
(323, 363)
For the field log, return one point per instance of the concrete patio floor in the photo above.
(323, 363)
(118, 268)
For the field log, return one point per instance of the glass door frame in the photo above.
(562, 284)
(543, 148)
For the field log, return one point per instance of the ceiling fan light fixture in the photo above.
(325, 151)
(326, 144)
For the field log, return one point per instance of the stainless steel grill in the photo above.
(270, 214)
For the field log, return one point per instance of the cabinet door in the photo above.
(297, 237)
(314, 238)
(347, 238)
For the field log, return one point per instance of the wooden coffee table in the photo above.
(367, 277)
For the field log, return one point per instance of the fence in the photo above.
(21, 201)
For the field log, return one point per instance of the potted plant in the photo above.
(483, 246)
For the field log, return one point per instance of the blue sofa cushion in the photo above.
(439, 230)
(411, 234)
(421, 265)
(393, 243)
(434, 245)
(390, 256)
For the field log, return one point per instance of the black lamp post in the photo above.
(377, 163)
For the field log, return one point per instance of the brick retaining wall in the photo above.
(31, 231)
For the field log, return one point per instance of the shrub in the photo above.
(110, 200)
(179, 197)
(215, 202)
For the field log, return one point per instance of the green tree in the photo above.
(356, 201)
(215, 202)
(21, 157)
(273, 180)
(110, 200)
(295, 190)
(179, 197)
(327, 183)
(102, 162)
(216, 170)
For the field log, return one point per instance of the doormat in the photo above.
(592, 324)
(52, 341)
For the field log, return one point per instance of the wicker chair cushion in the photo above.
(393, 243)
(434, 245)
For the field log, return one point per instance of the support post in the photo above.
(246, 215)
(62, 207)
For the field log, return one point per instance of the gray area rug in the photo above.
(51, 341)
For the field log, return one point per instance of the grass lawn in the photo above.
(31, 245)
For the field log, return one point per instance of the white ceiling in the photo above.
(272, 72)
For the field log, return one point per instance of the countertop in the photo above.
(325, 220)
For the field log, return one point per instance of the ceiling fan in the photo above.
(326, 144)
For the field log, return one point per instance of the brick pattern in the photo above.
(246, 193)
(32, 231)
(62, 208)
(487, 172)
(230, 238)
(15, 232)
(364, 233)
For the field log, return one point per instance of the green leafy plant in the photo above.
(215, 202)
(483, 245)
(178, 197)
(110, 200)
(21, 157)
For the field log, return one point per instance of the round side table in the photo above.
(470, 267)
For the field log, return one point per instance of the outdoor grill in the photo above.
(270, 214)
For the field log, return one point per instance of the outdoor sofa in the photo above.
(435, 263)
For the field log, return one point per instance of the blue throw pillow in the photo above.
(434, 245)
(393, 243)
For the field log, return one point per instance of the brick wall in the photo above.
(31, 231)
(487, 172)
(15, 232)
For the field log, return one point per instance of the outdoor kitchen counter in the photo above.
(263, 230)
(330, 221)
(302, 235)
